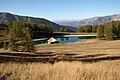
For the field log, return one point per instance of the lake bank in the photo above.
(66, 38)
(84, 47)
(85, 51)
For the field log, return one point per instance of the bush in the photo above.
(1, 44)
(13, 45)
(5, 46)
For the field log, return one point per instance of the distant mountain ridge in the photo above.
(91, 21)
(7, 17)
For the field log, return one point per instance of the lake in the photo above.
(66, 38)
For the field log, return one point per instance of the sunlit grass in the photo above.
(106, 70)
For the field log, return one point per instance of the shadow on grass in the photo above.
(92, 60)
(102, 59)
(50, 57)
(28, 55)
(4, 76)
(20, 57)
(90, 56)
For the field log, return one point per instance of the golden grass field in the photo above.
(107, 66)
(92, 46)
(105, 70)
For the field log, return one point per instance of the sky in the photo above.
(56, 10)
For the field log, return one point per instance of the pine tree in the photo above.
(66, 30)
(61, 29)
(5, 45)
(109, 32)
(13, 45)
(88, 28)
(81, 29)
(100, 32)
(94, 28)
(13, 40)
(28, 44)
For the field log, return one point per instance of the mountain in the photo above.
(91, 21)
(8, 17)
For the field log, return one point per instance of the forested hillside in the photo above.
(108, 31)
(8, 17)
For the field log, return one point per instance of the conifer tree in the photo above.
(66, 30)
(61, 29)
(28, 44)
(100, 32)
(109, 32)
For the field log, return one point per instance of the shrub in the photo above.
(1, 44)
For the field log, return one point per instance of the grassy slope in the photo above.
(106, 70)
(92, 46)
(100, 70)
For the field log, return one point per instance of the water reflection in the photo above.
(62, 39)
(67, 39)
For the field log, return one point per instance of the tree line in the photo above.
(87, 28)
(35, 28)
(108, 31)
(64, 29)
(21, 34)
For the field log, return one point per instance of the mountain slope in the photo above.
(91, 21)
(7, 17)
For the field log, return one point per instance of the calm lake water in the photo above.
(66, 38)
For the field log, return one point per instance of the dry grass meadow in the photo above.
(92, 46)
(105, 70)
(107, 66)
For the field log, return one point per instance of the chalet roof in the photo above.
(52, 40)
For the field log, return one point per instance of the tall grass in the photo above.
(106, 70)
